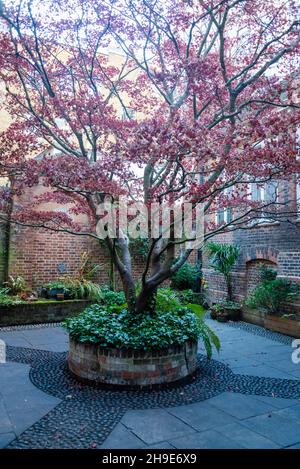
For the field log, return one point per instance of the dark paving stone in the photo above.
(240, 405)
(122, 438)
(290, 413)
(285, 364)
(247, 438)
(5, 422)
(278, 402)
(6, 438)
(209, 439)
(281, 430)
(297, 446)
(202, 416)
(161, 445)
(262, 370)
(155, 425)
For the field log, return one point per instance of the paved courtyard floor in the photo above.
(248, 396)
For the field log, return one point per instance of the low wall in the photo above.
(130, 367)
(40, 312)
(274, 323)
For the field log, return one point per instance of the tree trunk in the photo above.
(129, 292)
(146, 301)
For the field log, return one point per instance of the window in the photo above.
(265, 192)
(225, 215)
(128, 114)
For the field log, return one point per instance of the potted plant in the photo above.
(233, 310)
(215, 310)
(225, 311)
(57, 290)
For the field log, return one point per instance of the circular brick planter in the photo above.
(132, 367)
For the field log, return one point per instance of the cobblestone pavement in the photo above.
(248, 396)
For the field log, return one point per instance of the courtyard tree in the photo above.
(214, 88)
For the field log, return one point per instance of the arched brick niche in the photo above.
(266, 253)
(253, 272)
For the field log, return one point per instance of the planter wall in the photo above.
(38, 313)
(274, 323)
(130, 367)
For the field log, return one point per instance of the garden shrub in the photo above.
(267, 274)
(111, 298)
(187, 277)
(6, 300)
(189, 296)
(271, 295)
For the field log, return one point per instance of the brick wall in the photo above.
(40, 255)
(277, 245)
(3, 251)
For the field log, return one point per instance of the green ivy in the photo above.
(108, 328)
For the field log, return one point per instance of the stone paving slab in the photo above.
(200, 416)
(155, 425)
(209, 439)
(247, 438)
(122, 438)
(283, 431)
(240, 406)
(53, 338)
(21, 403)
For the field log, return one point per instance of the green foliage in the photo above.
(267, 274)
(57, 285)
(188, 296)
(186, 277)
(139, 247)
(197, 309)
(16, 285)
(222, 257)
(87, 269)
(82, 288)
(110, 329)
(167, 300)
(6, 300)
(80, 285)
(229, 305)
(112, 298)
(76, 289)
(271, 295)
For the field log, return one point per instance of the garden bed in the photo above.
(40, 312)
(274, 323)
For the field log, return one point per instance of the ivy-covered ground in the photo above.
(248, 396)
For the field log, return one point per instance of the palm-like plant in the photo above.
(222, 258)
